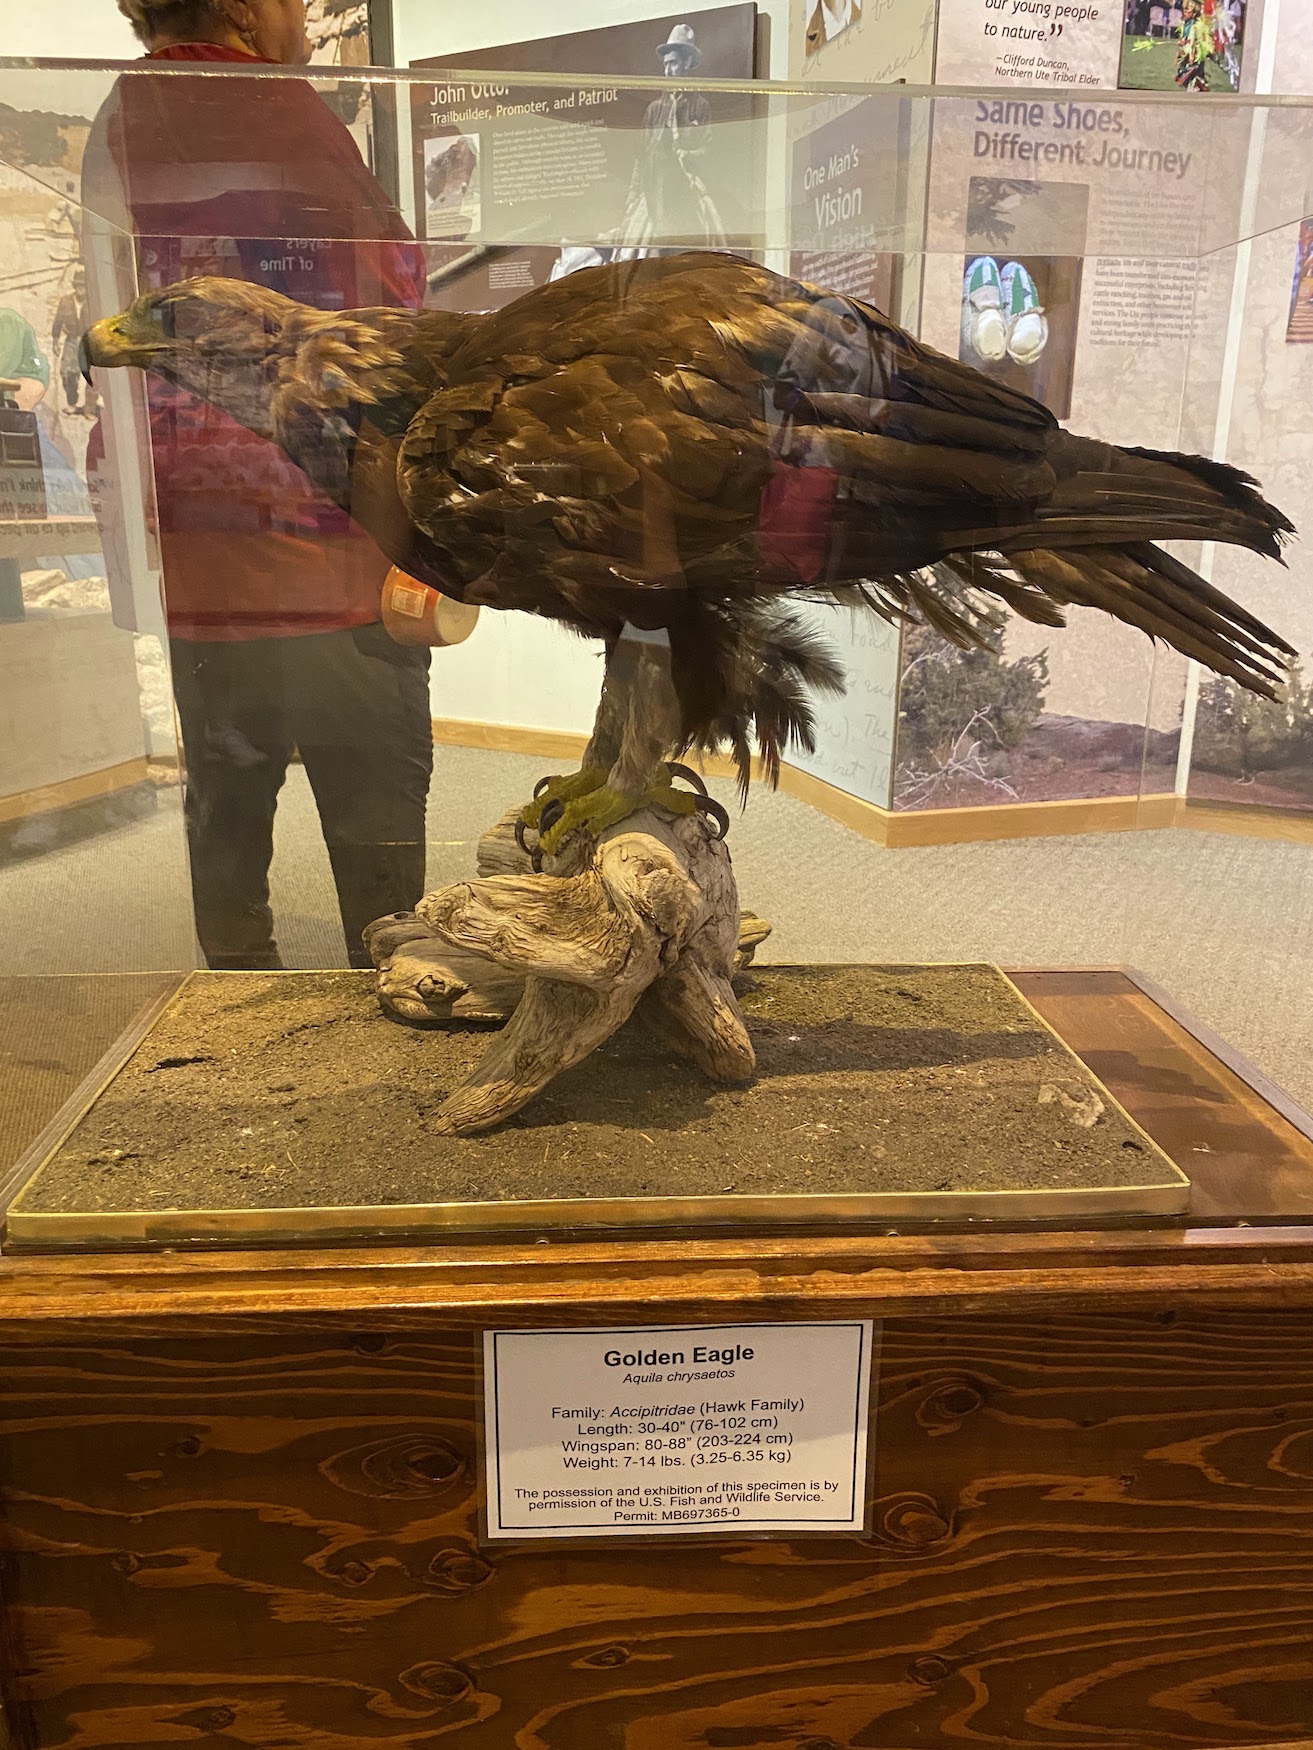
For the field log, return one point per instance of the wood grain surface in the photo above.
(239, 1492)
(1086, 1531)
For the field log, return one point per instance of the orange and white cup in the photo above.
(413, 613)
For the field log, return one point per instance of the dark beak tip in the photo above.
(84, 361)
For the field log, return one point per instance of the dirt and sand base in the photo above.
(287, 1091)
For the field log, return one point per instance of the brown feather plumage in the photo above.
(597, 452)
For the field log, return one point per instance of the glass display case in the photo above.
(373, 448)
(229, 657)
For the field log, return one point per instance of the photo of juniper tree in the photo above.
(1254, 750)
(961, 713)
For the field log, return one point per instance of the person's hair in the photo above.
(176, 18)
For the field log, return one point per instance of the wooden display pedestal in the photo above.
(241, 1488)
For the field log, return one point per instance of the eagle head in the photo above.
(222, 339)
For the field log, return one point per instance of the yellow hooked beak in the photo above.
(133, 338)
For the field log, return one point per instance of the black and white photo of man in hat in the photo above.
(668, 201)
(680, 54)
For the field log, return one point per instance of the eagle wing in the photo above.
(589, 444)
(605, 442)
(600, 450)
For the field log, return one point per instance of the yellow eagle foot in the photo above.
(604, 807)
(561, 789)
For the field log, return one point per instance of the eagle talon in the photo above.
(520, 839)
(552, 812)
(707, 805)
(687, 773)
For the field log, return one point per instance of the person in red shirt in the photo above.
(272, 592)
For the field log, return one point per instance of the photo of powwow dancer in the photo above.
(1190, 45)
(1205, 35)
(1299, 323)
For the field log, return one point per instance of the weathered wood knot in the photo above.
(436, 1680)
(207, 1719)
(129, 1561)
(944, 1409)
(915, 1521)
(605, 1658)
(929, 1670)
(392, 1469)
(352, 1573)
(457, 1570)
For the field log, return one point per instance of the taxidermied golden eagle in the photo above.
(658, 452)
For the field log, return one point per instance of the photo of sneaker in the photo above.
(984, 328)
(1023, 315)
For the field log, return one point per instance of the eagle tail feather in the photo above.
(1093, 545)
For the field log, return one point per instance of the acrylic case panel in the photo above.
(1070, 798)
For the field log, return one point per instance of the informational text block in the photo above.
(677, 1428)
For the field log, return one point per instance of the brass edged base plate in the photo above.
(281, 1108)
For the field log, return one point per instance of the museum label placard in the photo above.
(655, 1429)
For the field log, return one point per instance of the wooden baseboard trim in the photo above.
(550, 744)
(866, 818)
(952, 826)
(1030, 820)
(553, 744)
(1245, 820)
(898, 828)
(88, 787)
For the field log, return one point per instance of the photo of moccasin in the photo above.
(1023, 249)
(984, 327)
(1023, 314)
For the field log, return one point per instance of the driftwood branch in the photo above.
(649, 914)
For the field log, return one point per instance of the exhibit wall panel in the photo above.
(1171, 310)
(1254, 756)
(1101, 216)
(422, 31)
(855, 730)
(1248, 752)
(862, 42)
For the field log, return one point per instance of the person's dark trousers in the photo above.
(356, 707)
